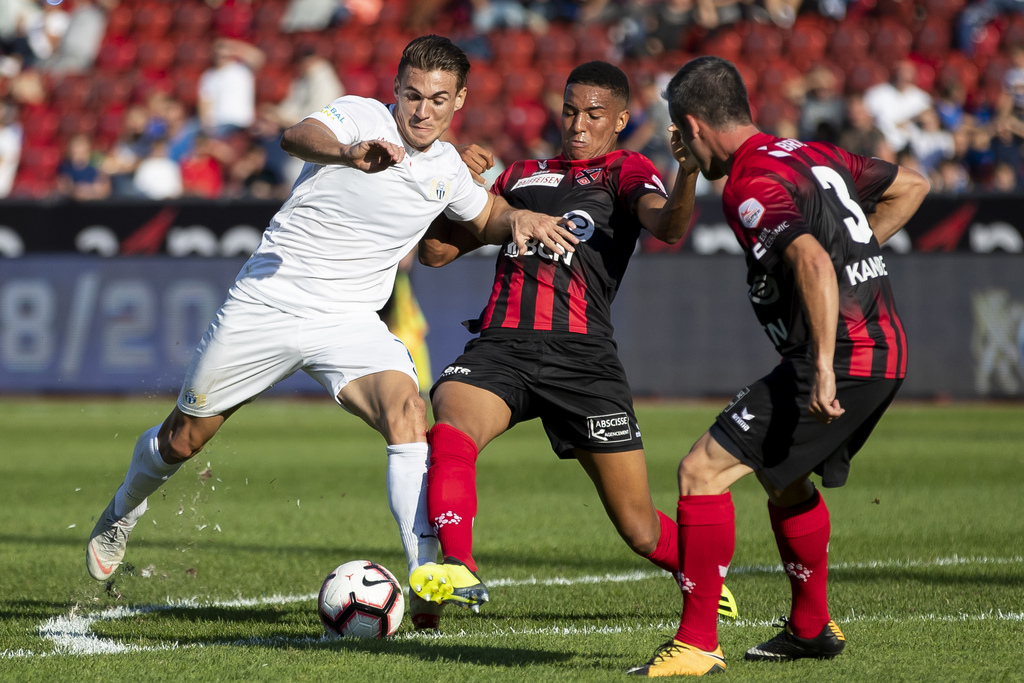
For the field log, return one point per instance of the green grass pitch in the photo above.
(927, 575)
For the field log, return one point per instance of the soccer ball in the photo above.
(361, 599)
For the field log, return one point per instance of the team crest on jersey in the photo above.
(751, 212)
(439, 189)
(587, 176)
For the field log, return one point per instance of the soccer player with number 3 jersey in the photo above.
(811, 218)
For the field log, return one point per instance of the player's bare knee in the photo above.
(406, 423)
(697, 474)
(642, 539)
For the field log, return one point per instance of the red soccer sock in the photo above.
(666, 554)
(451, 491)
(707, 539)
(802, 534)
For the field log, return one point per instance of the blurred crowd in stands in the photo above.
(162, 99)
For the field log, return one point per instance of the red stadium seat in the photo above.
(864, 74)
(111, 92)
(186, 86)
(272, 85)
(890, 44)
(267, 17)
(932, 41)
(193, 20)
(156, 56)
(525, 123)
(233, 20)
(592, 42)
(524, 85)
(806, 46)
(119, 22)
(849, 43)
(749, 75)
(387, 50)
(353, 54)
(776, 77)
(959, 68)
(942, 10)
(727, 44)
(30, 187)
(193, 54)
(109, 127)
(116, 57)
(361, 83)
(512, 48)
(557, 46)
(278, 50)
(485, 85)
(40, 127)
(762, 46)
(75, 123)
(152, 21)
(72, 93)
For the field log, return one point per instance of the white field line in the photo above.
(72, 634)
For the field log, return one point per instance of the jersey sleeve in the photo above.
(344, 116)
(638, 177)
(871, 176)
(764, 217)
(467, 199)
(501, 182)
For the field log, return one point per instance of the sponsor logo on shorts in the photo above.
(613, 428)
(544, 180)
(764, 290)
(455, 370)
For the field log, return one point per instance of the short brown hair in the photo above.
(436, 53)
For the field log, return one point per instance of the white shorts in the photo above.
(250, 346)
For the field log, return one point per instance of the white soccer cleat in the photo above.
(109, 540)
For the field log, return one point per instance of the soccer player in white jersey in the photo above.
(375, 177)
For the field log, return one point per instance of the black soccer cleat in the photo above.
(786, 646)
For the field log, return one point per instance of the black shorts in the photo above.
(768, 427)
(574, 383)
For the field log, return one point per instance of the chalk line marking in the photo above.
(72, 634)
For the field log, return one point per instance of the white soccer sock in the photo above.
(146, 473)
(407, 496)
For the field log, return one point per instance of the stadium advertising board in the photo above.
(219, 228)
(73, 324)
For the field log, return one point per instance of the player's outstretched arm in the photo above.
(498, 220)
(819, 291)
(314, 142)
(898, 203)
(669, 220)
(445, 241)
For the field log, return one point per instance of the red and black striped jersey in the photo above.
(779, 189)
(539, 290)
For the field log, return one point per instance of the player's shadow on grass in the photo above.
(481, 655)
(1005, 575)
(30, 609)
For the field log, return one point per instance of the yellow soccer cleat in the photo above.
(727, 604)
(450, 582)
(679, 659)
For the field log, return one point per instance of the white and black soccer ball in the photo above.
(361, 599)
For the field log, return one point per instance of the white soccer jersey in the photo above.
(336, 242)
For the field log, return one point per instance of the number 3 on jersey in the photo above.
(857, 224)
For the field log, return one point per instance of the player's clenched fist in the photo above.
(477, 159)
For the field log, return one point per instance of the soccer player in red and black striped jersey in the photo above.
(545, 347)
(811, 218)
